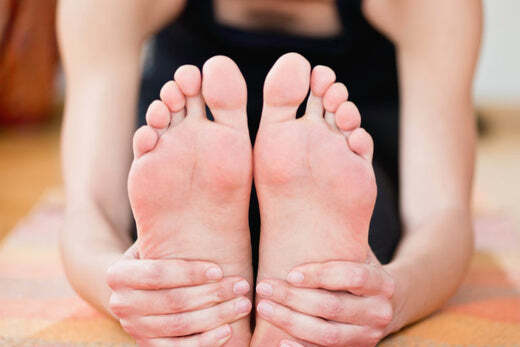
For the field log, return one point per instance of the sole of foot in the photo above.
(190, 180)
(313, 175)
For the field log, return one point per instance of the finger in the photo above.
(187, 323)
(161, 274)
(357, 278)
(339, 307)
(289, 343)
(124, 303)
(315, 330)
(132, 252)
(216, 337)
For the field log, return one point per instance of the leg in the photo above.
(314, 177)
(190, 181)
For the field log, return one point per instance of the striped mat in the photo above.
(39, 308)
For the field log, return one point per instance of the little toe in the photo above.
(285, 88)
(225, 92)
(348, 117)
(322, 77)
(158, 115)
(189, 80)
(361, 143)
(145, 139)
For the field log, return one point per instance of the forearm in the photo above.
(89, 245)
(429, 265)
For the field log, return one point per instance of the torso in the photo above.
(313, 18)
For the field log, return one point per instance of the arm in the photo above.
(101, 45)
(438, 44)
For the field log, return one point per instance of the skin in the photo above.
(437, 48)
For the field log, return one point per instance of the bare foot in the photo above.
(314, 178)
(190, 181)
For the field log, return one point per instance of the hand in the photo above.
(161, 302)
(330, 304)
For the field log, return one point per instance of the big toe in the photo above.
(285, 87)
(225, 92)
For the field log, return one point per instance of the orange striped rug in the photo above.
(39, 308)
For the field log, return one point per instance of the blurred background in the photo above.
(31, 96)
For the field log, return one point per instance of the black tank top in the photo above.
(362, 58)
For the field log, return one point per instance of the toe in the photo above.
(158, 115)
(361, 143)
(285, 88)
(348, 117)
(322, 77)
(145, 139)
(334, 96)
(225, 92)
(189, 80)
(172, 96)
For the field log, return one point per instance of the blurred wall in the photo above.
(498, 77)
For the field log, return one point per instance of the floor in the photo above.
(30, 166)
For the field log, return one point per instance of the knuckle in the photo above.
(373, 337)
(390, 285)
(176, 302)
(286, 294)
(220, 292)
(224, 312)
(154, 272)
(192, 271)
(331, 307)
(117, 306)
(130, 327)
(178, 325)
(360, 278)
(383, 315)
(330, 336)
(112, 276)
(284, 319)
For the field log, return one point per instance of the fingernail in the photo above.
(264, 289)
(223, 332)
(265, 309)
(214, 273)
(241, 287)
(295, 277)
(242, 306)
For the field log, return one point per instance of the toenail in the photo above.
(265, 309)
(241, 287)
(242, 306)
(214, 273)
(264, 289)
(295, 277)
